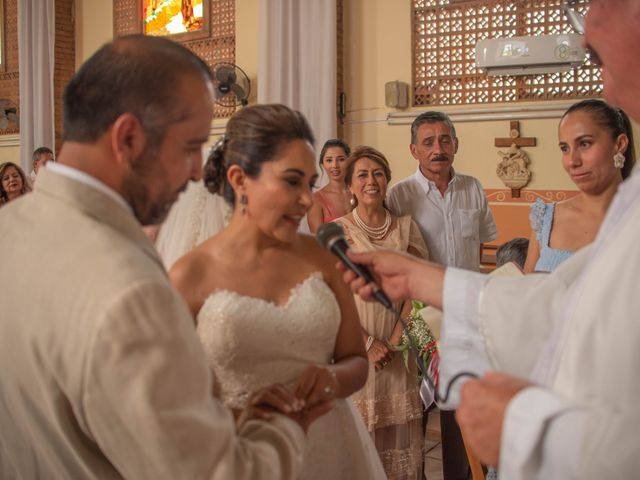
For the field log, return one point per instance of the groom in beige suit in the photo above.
(102, 375)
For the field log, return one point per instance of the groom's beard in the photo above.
(136, 189)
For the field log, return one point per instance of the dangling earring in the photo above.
(353, 201)
(618, 160)
(243, 204)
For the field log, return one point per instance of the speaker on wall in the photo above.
(396, 94)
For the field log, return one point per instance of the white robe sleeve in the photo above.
(461, 342)
(541, 437)
(517, 316)
(499, 323)
(503, 323)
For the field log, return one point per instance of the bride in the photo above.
(270, 306)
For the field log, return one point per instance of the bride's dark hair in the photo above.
(254, 135)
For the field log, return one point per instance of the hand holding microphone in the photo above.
(401, 275)
(331, 236)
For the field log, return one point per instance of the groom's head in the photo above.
(143, 105)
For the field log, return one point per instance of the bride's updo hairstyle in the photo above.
(254, 135)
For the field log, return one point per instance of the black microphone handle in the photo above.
(381, 297)
(361, 271)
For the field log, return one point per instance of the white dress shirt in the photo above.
(453, 225)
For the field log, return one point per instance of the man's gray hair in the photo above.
(40, 151)
(514, 250)
(431, 117)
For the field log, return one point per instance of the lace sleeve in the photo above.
(536, 217)
(416, 240)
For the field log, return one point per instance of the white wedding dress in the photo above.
(252, 343)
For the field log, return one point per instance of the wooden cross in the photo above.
(514, 137)
(518, 141)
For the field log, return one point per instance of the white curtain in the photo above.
(36, 37)
(297, 60)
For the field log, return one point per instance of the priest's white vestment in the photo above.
(576, 333)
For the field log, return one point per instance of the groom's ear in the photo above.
(128, 138)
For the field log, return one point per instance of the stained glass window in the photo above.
(169, 17)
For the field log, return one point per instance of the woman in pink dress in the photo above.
(332, 200)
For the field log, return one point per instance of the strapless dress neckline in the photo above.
(293, 292)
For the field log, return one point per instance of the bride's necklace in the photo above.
(377, 233)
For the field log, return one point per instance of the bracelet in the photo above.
(370, 340)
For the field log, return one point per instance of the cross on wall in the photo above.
(513, 170)
(515, 138)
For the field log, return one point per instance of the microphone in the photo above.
(331, 236)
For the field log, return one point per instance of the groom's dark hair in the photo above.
(135, 73)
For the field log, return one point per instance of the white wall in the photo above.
(94, 27)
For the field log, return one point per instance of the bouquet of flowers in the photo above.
(423, 339)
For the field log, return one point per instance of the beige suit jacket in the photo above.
(102, 375)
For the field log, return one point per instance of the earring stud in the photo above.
(618, 160)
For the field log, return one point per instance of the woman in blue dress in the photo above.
(596, 142)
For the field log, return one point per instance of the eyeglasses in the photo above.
(576, 20)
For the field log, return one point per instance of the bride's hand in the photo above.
(266, 400)
(317, 384)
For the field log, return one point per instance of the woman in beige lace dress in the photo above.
(389, 402)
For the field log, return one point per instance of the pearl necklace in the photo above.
(377, 233)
